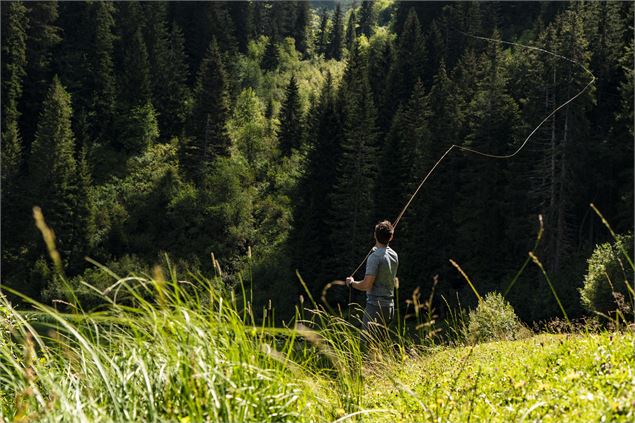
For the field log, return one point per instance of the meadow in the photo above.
(167, 349)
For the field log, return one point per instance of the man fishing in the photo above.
(379, 280)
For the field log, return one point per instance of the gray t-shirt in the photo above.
(382, 263)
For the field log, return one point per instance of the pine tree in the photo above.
(352, 200)
(270, 57)
(310, 239)
(351, 32)
(173, 98)
(53, 168)
(367, 18)
(291, 128)
(301, 27)
(207, 131)
(323, 36)
(14, 26)
(408, 66)
(156, 39)
(482, 214)
(336, 37)
(242, 15)
(14, 58)
(135, 79)
(43, 37)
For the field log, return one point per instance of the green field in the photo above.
(197, 355)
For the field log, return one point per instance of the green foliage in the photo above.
(608, 284)
(494, 320)
(336, 37)
(207, 127)
(291, 128)
(15, 22)
(140, 129)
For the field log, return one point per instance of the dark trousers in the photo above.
(375, 321)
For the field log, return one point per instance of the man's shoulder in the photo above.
(392, 252)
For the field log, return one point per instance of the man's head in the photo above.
(384, 232)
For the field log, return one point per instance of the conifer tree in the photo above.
(322, 36)
(336, 37)
(173, 98)
(53, 168)
(301, 27)
(482, 214)
(207, 130)
(408, 66)
(14, 61)
(291, 135)
(310, 238)
(367, 18)
(156, 38)
(136, 79)
(351, 31)
(43, 37)
(270, 57)
(352, 200)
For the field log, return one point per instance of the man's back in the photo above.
(382, 263)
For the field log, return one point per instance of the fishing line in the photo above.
(481, 153)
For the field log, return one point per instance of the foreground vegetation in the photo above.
(199, 355)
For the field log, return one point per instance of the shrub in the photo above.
(494, 319)
(607, 287)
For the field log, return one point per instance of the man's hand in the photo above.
(349, 281)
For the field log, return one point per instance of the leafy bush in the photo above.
(494, 319)
(607, 287)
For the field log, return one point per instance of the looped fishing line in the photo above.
(481, 153)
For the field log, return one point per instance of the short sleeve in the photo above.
(372, 265)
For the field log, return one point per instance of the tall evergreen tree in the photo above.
(408, 66)
(352, 200)
(321, 43)
(53, 172)
(481, 212)
(351, 31)
(135, 87)
(207, 131)
(43, 37)
(367, 17)
(301, 27)
(14, 61)
(310, 239)
(291, 126)
(336, 37)
(269, 60)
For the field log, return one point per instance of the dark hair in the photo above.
(384, 231)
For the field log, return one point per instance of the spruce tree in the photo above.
(207, 133)
(310, 239)
(351, 31)
(43, 38)
(336, 37)
(352, 200)
(482, 214)
(53, 168)
(14, 60)
(367, 18)
(291, 125)
(269, 60)
(135, 87)
(321, 43)
(408, 66)
(301, 27)
(173, 98)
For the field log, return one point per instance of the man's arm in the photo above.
(363, 285)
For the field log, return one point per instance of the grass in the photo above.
(198, 355)
(546, 378)
(171, 350)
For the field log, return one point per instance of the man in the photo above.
(379, 280)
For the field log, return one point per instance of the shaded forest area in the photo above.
(275, 134)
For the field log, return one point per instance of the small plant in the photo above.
(607, 286)
(494, 320)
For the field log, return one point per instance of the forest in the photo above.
(276, 134)
(185, 186)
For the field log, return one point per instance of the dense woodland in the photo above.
(275, 134)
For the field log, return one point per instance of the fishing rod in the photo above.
(481, 153)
